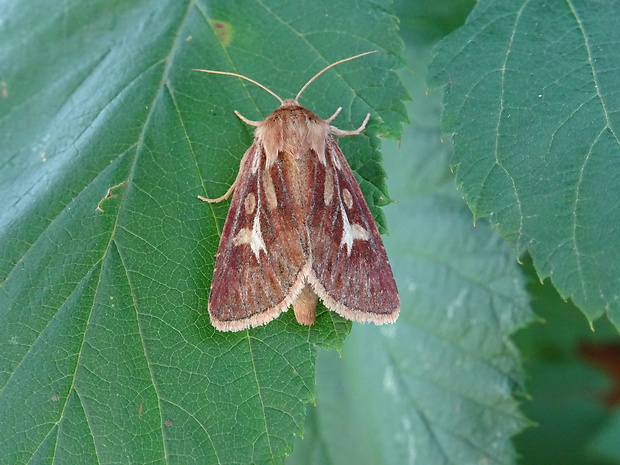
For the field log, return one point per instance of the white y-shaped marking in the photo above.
(253, 237)
(257, 244)
(351, 232)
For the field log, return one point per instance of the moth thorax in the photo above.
(294, 130)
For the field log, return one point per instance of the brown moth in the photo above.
(298, 228)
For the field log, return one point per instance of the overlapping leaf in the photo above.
(531, 98)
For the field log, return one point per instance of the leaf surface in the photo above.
(531, 101)
(106, 350)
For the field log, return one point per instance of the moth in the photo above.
(298, 228)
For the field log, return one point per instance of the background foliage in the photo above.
(106, 351)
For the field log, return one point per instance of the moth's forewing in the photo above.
(350, 265)
(263, 249)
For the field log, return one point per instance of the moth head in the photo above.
(292, 129)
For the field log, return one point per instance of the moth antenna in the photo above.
(248, 79)
(328, 67)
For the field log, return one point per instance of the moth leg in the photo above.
(245, 120)
(219, 199)
(332, 117)
(339, 132)
(230, 189)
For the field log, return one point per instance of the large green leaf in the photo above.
(531, 99)
(438, 387)
(106, 351)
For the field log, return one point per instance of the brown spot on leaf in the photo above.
(223, 31)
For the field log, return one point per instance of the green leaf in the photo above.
(439, 386)
(567, 393)
(106, 350)
(605, 445)
(530, 98)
